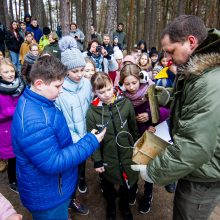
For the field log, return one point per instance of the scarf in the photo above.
(98, 62)
(30, 58)
(137, 98)
(14, 88)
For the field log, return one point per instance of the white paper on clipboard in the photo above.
(162, 131)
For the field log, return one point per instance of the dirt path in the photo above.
(161, 206)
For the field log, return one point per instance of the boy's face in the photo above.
(50, 91)
(106, 40)
(76, 74)
(106, 94)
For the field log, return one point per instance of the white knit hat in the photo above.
(71, 57)
(118, 55)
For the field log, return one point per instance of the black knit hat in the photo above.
(153, 50)
(46, 30)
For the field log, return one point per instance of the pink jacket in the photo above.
(7, 109)
(6, 208)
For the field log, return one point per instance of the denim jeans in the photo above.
(15, 60)
(58, 213)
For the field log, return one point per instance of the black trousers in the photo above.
(110, 193)
(12, 170)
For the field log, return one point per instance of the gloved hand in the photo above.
(163, 95)
(143, 172)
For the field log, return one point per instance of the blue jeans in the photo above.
(15, 60)
(58, 213)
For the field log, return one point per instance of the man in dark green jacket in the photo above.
(194, 157)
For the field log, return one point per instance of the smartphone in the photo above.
(104, 126)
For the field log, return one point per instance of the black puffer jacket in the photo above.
(12, 42)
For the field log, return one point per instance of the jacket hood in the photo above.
(72, 86)
(118, 96)
(211, 43)
(206, 56)
(199, 63)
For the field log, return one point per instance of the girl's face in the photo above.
(89, 70)
(116, 40)
(29, 38)
(76, 74)
(7, 73)
(154, 58)
(142, 46)
(131, 84)
(14, 25)
(144, 60)
(35, 50)
(106, 94)
(164, 61)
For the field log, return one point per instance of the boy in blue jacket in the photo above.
(47, 159)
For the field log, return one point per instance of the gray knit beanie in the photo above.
(71, 57)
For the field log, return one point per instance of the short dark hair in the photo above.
(100, 80)
(183, 26)
(91, 42)
(48, 68)
(120, 23)
(73, 24)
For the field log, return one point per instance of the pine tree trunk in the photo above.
(64, 17)
(153, 19)
(7, 15)
(94, 11)
(57, 13)
(11, 11)
(2, 13)
(111, 17)
(181, 7)
(19, 10)
(88, 21)
(138, 20)
(130, 25)
(50, 14)
(16, 10)
(102, 16)
(38, 11)
(26, 9)
(79, 19)
(147, 22)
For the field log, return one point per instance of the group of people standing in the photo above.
(102, 111)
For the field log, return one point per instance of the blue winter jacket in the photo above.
(47, 159)
(37, 32)
(74, 102)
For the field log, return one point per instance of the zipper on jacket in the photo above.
(60, 184)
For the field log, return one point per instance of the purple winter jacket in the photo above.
(7, 109)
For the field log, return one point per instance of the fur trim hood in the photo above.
(198, 64)
(206, 56)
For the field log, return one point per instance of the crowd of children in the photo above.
(68, 94)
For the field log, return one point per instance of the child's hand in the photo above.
(14, 217)
(143, 117)
(100, 169)
(152, 129)
(100, 135)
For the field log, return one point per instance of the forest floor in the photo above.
(161, 206)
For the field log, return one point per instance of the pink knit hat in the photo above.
(129, 58)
